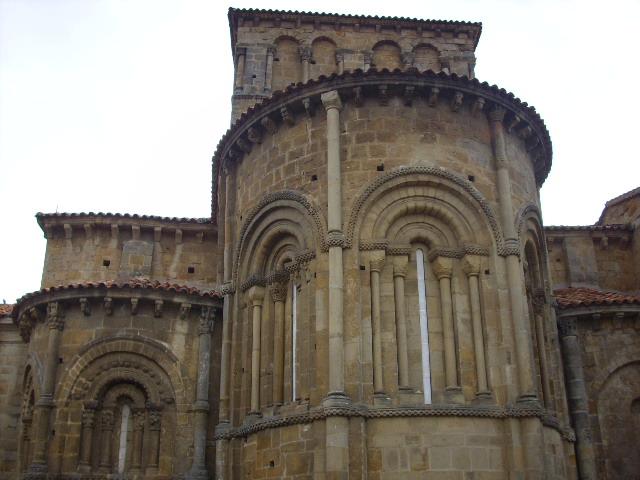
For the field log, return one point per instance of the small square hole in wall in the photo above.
(314, 177)
(471, 178)
(380, 168)
(362, 267)
(106, 263)
(487, 272)
(191, 270)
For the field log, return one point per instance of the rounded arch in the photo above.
(278, 215)
(387, 54)
(615, 365)
(287, 68)
(115, 391)
(461, 198)
(142, 352)
(426, 57)
(323, 55)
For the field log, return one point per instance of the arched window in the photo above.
(125, 425)
(424, 325)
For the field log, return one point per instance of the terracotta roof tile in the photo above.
(5, 309)
(595, 228)
(137, 283)
(585, 297)
(43, 216)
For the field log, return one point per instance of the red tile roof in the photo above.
(44, 216)
(138, 283)
(585, 297)
(593, 228)
(5, 309)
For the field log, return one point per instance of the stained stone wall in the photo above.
(94, 248)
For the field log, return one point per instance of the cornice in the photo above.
(459, 92)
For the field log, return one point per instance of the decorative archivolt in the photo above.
(282, 225)
(615, 365)
(452, 201)
(125, 359)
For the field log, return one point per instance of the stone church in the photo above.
(374, 295)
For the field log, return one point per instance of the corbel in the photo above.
(115, 232)
(456, 101)
(243, 145)
(309, 107)
(337, 26)
(513, 123)
(433, 96)
(532, 143)
(68, 231)
(108, 306)
(477, 106)
(134, 305)
(305, 54)
(287, 116)
(383, 94)
(233, 154)
(48, 232)
(88, 230)
(356, 27)
(525, 132)
(185, 308)
(409, 93)
(200, 237)
(157, 309)
(277, 22)
(618, 320)
(178, 236)
(157, 234)
(256, 21)
(254, 135)
(378, 27)
(85, 306)
(398, 29)
(357, 96)
(135, 232)
(269, 125)
(408, 59)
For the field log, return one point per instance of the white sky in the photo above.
(117, 106)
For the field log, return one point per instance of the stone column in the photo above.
(443, 269)
(229, 219)
(240, 57)
(107, 420)
(268, 73)
(399, 274)
(88, 421)
(278, 295)
(305, 57)
(376, 324)
(224, 424)
(367, 58)
(538, 309)
(512, 257)
(577, 396)
(256, 295)
(337, 428)
(201, 405)
(340, 62)
(471, 267)
(153, 446)
(45, 405)
(136, 441)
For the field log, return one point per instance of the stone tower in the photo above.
(370, 298)
(386, 290)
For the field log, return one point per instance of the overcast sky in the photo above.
(117, 105)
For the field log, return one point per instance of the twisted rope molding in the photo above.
(322, 413)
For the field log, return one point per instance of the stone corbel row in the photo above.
(116, 231)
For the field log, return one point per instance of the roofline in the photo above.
(591, 228)
(235, 142)
(616, 200)
(475, 28)
(48, 219)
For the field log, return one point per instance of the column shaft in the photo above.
(256, 294)
(138, 431)
(514, 272)
(378, 386)
(450, 368)
(278, 294)
(107, 420)
(225, 360)
(155, 419)
(239, 83)
(478, 335)
(84, 461)
(229, 219)
(268, 73)
(401, 326)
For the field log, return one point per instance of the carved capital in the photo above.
(278, 292)
(85, 306)
(185, 308)
(478, 105)
(471, 265)
(88, 418)
(256, 295)
(138, 419)
(331, 100)
(269, 125)
(568, 327)
(134, 305)
(157, 308)
(206, 321)
(408, 58)
(377, 262)
(305, 54)
(442, 267)
(107, 419)
(54, 316)
(456, 101)
(400, 265)
(496, 114)
(155, 417)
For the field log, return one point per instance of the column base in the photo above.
(84, 468)
(222, 428)
(199, 473)
(454, 395)
(252, 417)
(337, 400)
(483, 398)
(528, 399)
(36, 471)
(408, 396)
(381, 399)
